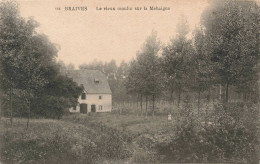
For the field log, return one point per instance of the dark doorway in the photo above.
(83, 108)
(93, 108)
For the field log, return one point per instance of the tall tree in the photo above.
(233, 41)
(201, 72)
(28, 60)
(15, 34)
(145, 74)
(133, 82)
(120, 89)
(37, 67)
(176, 59)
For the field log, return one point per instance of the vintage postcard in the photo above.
(129, 81)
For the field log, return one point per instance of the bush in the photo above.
(22, 150)
(236, 131)
(145, 156)
(57, 141)
(112, 143)
(231, 137)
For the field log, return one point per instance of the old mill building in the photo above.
(96, 96)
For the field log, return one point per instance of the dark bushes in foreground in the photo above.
(230, 135)
(59, 142)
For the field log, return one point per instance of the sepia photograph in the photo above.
(129, 81)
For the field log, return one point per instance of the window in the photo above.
(83, 96)
(99, 97)
(100, 107)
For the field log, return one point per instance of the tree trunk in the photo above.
(11, 106)
(209, 95)
(199, 102)
(220, 92)
(121, 108)
(153, 105)
(244, 97)
(213, 94)
(1, 110)
(178, 115)
(137, 105)
(141, 105)
(171, 97)
(179, 98)
(29, 115)
(206, 118)
(191, 119)
(146, 101)
(227, 87)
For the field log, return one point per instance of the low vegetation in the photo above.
(220, 136)
(52, 141)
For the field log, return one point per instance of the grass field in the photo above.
(132, 123)
(114, 138)
(81, 138)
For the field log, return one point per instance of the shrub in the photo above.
(236, 131)
(145, 156)
(232, 136)
(22, 150)
(112, 143)
(57, 141)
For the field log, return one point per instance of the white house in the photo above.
(97, 96)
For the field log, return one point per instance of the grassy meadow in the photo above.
(124, 136)
(81, 138)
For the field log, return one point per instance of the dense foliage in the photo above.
(229, 135)
(30, 77)
(63, 142)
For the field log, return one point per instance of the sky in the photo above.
(83, 36)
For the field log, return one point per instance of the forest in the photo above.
(218, 60)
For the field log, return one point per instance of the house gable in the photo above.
(93, 81)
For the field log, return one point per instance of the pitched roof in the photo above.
(88, 78)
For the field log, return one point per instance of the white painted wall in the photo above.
(93, 99)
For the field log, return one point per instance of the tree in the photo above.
(15, 34)
(120, 93)
(122, 70)
(233, 41)
(94, 65)
(202, 71)
(37, 67)
(144, 75)
(28, 61)
(133, 82)
(60, 93)
(110, 70)
(176, 60)
(63, 68)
